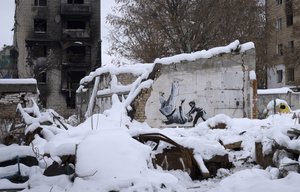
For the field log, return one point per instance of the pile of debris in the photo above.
(21, 153)
(50, 146)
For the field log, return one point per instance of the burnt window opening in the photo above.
(278, 24)
(76, 25)
(39, 51)
(76, 50)
(289, 19)
(76, 54)
(279, 76)
(75, 1)
(40, 3)
(40, 25)
(73, 79)
(291, 46)
(290, 73)
(289, 12)
(278, 2)
(42, 77)
(280, 49)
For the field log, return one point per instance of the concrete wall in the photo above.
(218, 85)
(293, 99)
(272, 76)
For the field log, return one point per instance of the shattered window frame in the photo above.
(75, 1)
(76, 25)
(279, 74)
(40, 25)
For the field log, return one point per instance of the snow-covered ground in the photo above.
(108, 159)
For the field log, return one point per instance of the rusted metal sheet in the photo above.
(174, 157)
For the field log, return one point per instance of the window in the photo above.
(76, 50)
(75, 25)
(40, 2)
(279, 49)
(75, 1)
(278, 24)
(39, 51)
(279, 76)
(289, 19)
(73, 79)
(290, 74)
(40, 25)
(76, 54)
(291, 46)
(278, 2)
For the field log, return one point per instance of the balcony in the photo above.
(76, 61)
(75, 9)
(76, 34)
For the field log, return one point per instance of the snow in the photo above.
(259, 181)
(252, 75)
(283, 90)
(206, 53)
(137, 69)
(108, 158)
(14, 151)
(18, 81)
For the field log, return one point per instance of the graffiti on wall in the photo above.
(176, 114)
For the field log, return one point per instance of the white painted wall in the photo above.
(218, 87)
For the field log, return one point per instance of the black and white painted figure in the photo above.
(169, 110)
(199, 112)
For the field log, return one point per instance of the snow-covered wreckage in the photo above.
(110, 149)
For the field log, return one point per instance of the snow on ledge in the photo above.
(252, 75)
(135, 69)
(283, 90)
(206, 53)
(18, 81)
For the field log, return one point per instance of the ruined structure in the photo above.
(283, 44)
(12, 93)
(215, 81)
(8, 63)
(57, 43)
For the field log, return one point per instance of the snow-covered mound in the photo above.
(109, 159)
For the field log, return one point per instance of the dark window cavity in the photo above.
(40, 25)
(76, 25)
(40, 3)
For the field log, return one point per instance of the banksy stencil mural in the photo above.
(187, 93)
(176, 114)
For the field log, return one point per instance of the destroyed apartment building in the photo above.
(205, 83)
(57, 43)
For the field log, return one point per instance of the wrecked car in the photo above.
(171, 156)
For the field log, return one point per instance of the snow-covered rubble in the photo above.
(109, 159)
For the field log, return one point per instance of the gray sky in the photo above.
(7, 9)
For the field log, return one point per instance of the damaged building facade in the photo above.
(217, 82)
(57, 43)
(8, 63)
